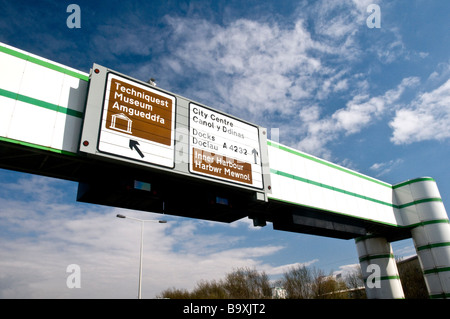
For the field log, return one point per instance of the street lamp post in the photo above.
(142, 245)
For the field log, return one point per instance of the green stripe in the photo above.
(334, 212)
(370, 257)
(389, 277)
(425, 200)
(317, 160)
(430, 246)
(416, 180)
(436, 270)
(440, 296)
(40, 103)
(383, 278)
(8, 94)
(45, 148)
(40, 62)
(429, 222)
(340, 190)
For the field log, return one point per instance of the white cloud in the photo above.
(346, 270)
(361, 110)
(405, 252)
(41, 235)
(426, 118)
(252, 66)
(260, 68)
(358, 113)
(386, 167)
(267, 71)
(393, 50)
(285, 268)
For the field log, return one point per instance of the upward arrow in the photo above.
(255, 153)
(134, 144)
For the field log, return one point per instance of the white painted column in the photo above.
(379, 268)
(431, 235)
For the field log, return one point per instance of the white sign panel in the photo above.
(137, 122)
(223, 147)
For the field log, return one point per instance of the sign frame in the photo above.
(136, 146)
(219, 153)
(92, 124)
(91, 137)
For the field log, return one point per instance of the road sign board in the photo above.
(137, 122)
(223, 147)
(130, 121)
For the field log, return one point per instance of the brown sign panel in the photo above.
(139, 112)
(221, 166)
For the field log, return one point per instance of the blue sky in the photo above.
(376, 100)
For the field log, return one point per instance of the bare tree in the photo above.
(174, 293)
(297, 282)
(412, 280)
(312, 283)
(328, 287)
(242, 283)
(245, 283)
(209, 290)
(355, 283)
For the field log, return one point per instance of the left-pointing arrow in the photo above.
(134, 144)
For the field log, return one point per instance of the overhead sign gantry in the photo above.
(145, 148)
(178, 148)
(130, 121)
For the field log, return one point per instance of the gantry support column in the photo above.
(379, 268)
(430, 231)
